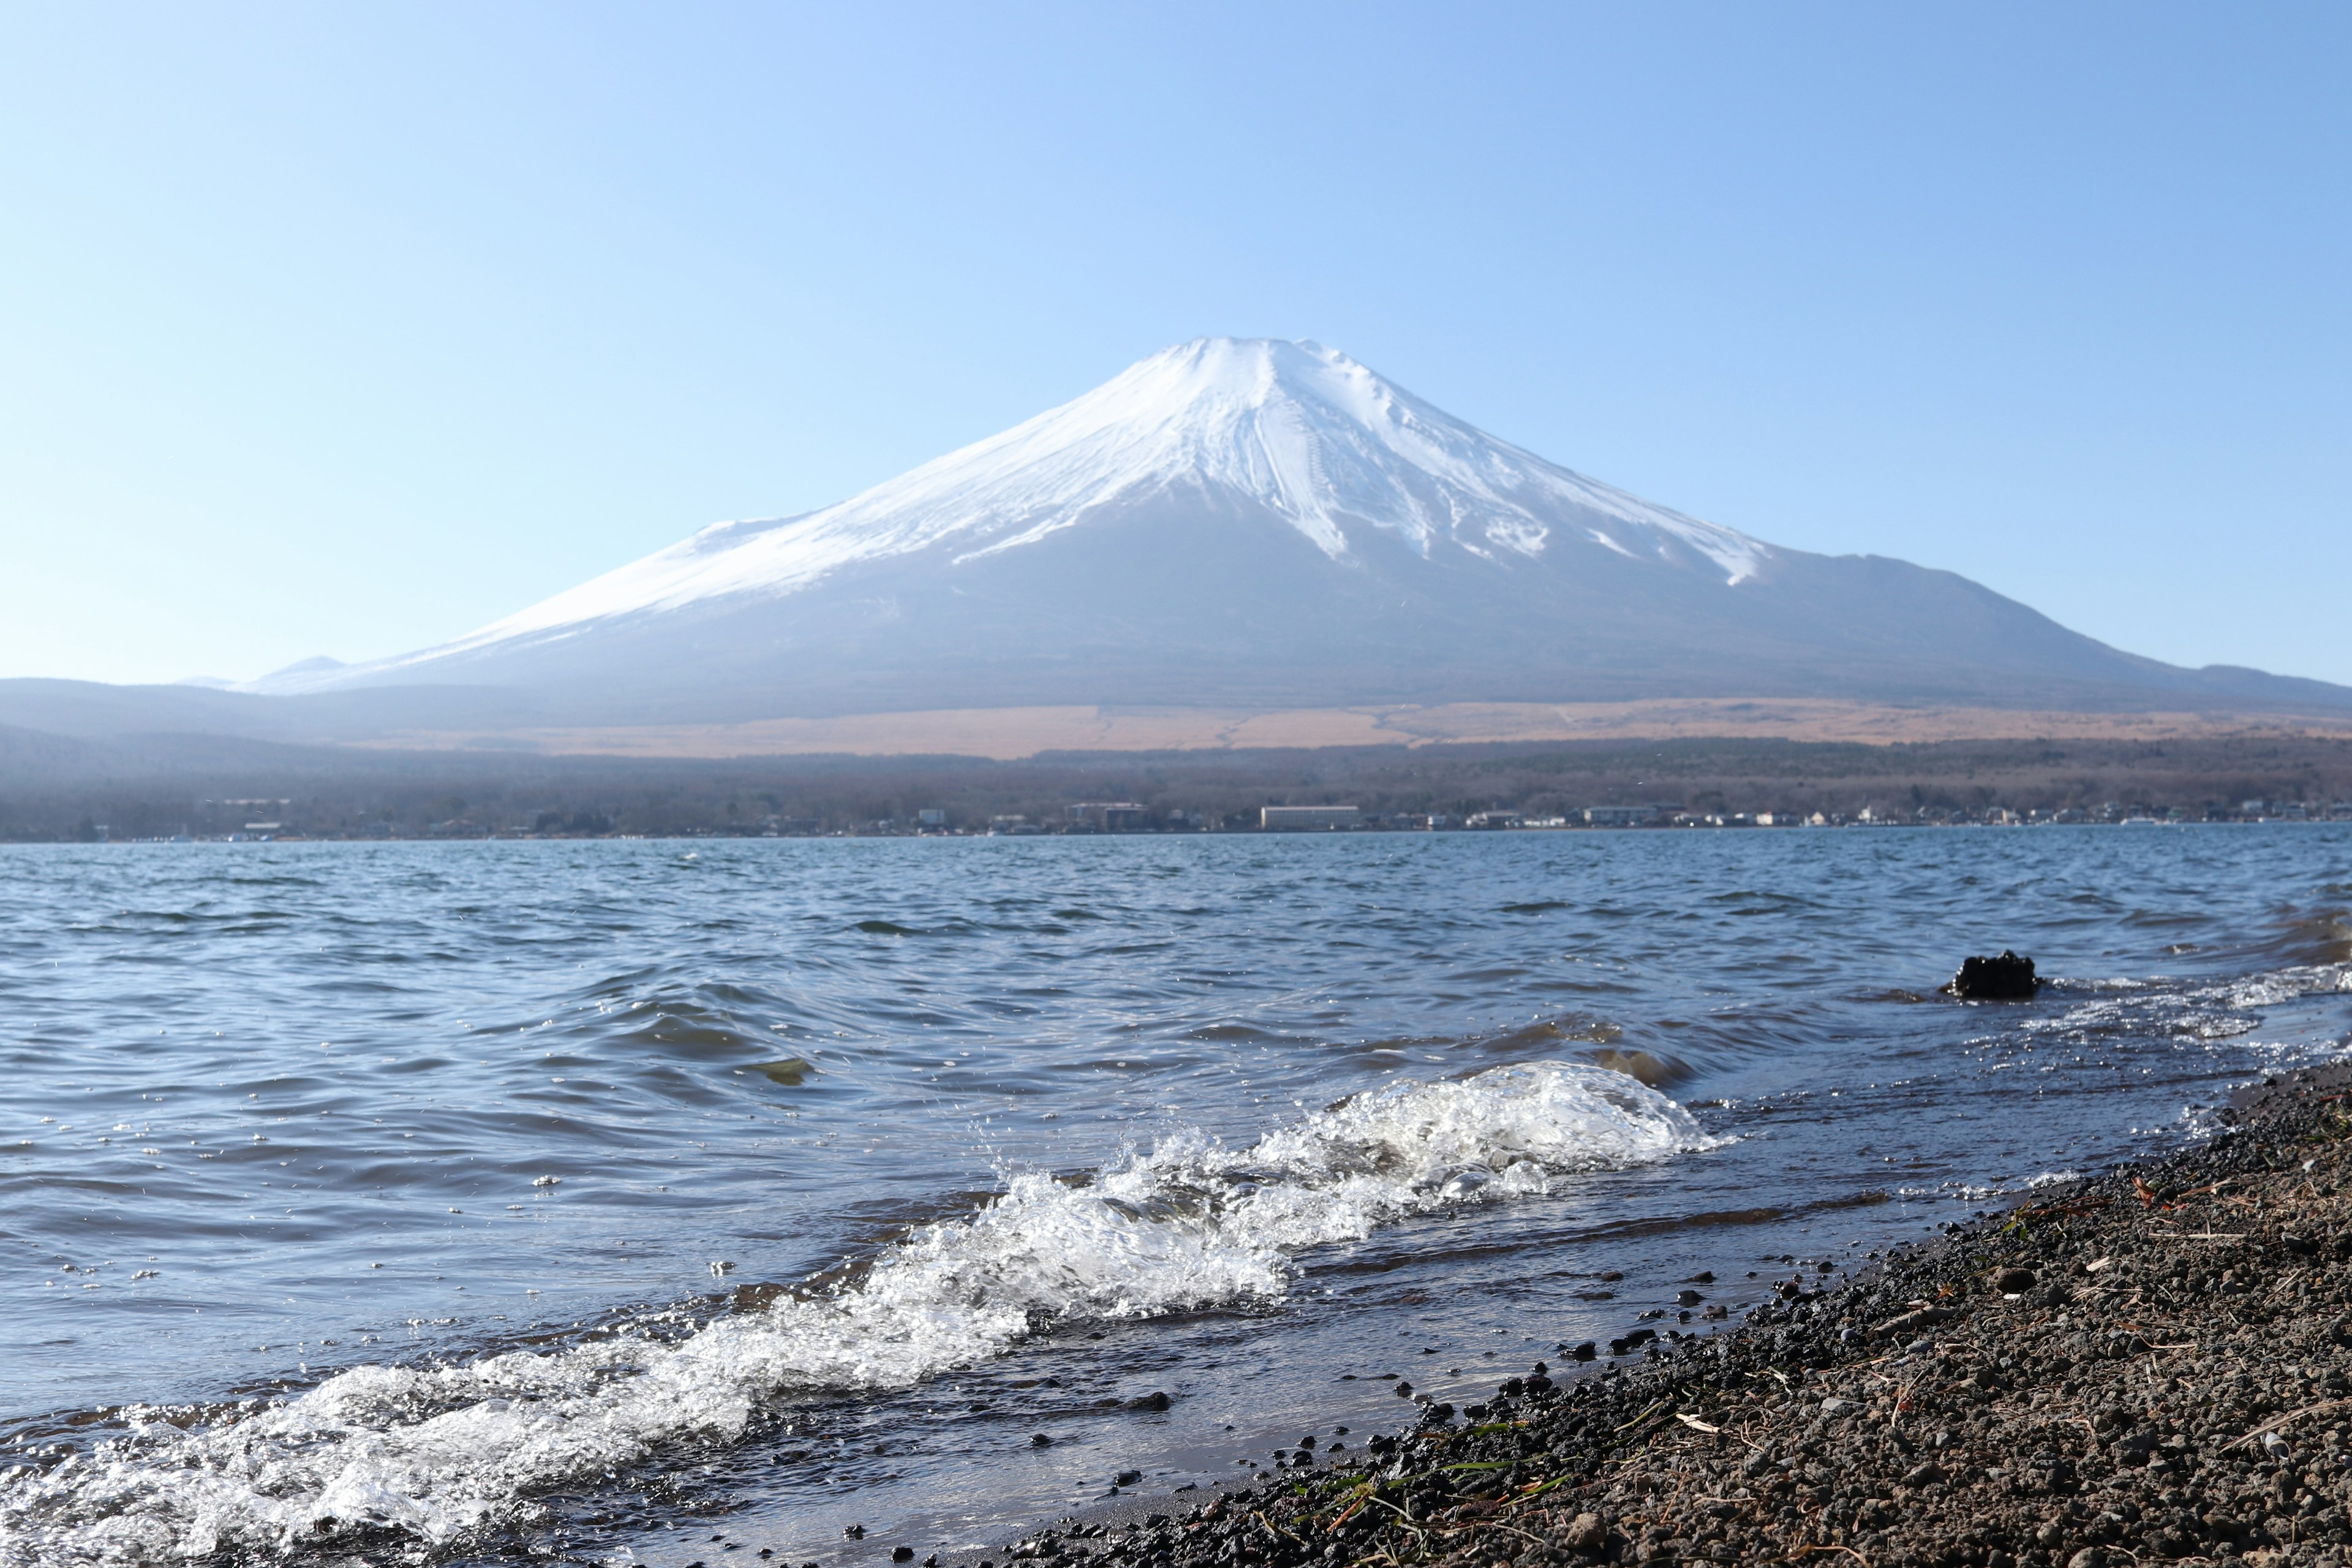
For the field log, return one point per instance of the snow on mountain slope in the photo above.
(1302, 430)
(1245, 525)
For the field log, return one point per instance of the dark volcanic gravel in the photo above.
(2148, 1366)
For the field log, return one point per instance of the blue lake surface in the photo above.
(504, 1202)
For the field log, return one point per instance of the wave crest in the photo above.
(1190, 1223)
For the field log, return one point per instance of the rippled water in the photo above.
(619, 1201)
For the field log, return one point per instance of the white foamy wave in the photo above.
(1979, 1192)
(2207, 1013)
(436, 1451)
(2287, 985)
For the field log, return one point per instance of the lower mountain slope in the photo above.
(1198, 599)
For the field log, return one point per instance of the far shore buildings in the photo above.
(1308, 818)
(1107, 816)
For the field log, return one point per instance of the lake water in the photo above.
(656, 1202)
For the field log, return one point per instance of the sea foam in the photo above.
(1191, 1222)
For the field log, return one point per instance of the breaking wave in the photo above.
(2205, 1011)
(437, 1451)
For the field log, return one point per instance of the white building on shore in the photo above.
(1308, 818)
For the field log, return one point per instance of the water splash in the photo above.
(1190, 1223)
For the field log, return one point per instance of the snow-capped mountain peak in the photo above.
(1301, 431)
(1236, 526)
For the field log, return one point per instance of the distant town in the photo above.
(1124, 816)
(1692, 784)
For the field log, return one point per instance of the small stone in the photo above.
(2089, 1557)
(1041, 1441)
(2014, 1281)
(902, 1554)
(1687, 1297)
(1587, 1532)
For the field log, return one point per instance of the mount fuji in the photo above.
(1261, 525)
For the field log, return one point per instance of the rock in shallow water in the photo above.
(2007, 977)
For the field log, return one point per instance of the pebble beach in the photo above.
(2152, 1364)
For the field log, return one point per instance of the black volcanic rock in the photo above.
(2004, 978)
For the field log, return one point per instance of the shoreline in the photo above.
(2151, 1365)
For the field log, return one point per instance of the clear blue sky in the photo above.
(343, 328)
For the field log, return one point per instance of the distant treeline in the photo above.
(162, 787)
